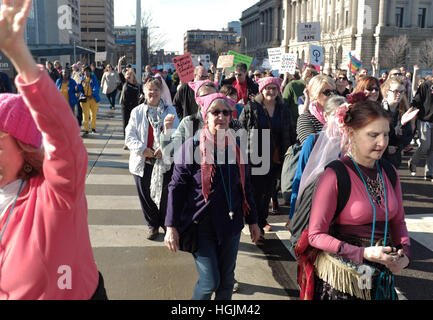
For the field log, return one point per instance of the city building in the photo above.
(125, 39)
(235, 26)
(365, 28)
(53, 30)
(211, 42)
(161, 58)
(262, 27)
(97, 27)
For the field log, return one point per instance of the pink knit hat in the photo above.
(206, 101)
(263, 82)
(196, 85)
(16, 120)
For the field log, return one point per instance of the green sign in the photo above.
(240, 58)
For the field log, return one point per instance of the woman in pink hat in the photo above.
(212, 194)
(45, 250)
(267, 112)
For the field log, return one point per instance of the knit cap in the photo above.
(16, 120)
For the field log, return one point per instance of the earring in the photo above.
(27, 168)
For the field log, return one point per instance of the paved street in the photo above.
(136, 268)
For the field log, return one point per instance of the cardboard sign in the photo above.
(275, 55)
(316, 55)
(288, 63)
(185, 67)
(203, 59)
(225, 61)
(240, 58)
(101, 56)
(308, 31)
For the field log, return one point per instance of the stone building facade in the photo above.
(362, 27)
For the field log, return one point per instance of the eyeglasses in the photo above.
(328, 92)
(396, 92)
(342, 78)
(396, 74)
(257, 75)
(225, 112)
(372, 89)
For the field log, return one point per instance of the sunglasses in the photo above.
(328, 92)
(225, 112)
(373, 89)
(396, 74)
(396, 92)
(342, 78)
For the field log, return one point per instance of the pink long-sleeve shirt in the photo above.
(357, 216)
(45, 252)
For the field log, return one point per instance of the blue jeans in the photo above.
(215, 264)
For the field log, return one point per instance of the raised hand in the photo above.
(13, 19)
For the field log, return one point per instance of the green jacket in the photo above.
(292, 92)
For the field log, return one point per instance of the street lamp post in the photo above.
(138, 41)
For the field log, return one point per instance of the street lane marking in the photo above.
(113, 202)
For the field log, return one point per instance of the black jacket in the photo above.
(423, 100)
(184, 102)
(249, 120)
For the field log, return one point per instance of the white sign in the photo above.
(204, 59)
(288, 63)
(316, 55)
(308, 31)
(101, 56)
(275, 55)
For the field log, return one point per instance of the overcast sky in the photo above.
(175, 17)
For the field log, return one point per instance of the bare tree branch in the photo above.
(426, 54)
(396, 52)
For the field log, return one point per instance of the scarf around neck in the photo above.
(317, 112)
(208, 146)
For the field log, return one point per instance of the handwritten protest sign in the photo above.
(225, 61)
(240, 58)
(185, 67)
(308, 31)
(266, 64)
(288, 63)
(275, 55)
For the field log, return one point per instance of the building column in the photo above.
(304, 10)
(298, 16)
(354, 18)
(277, 25)
(317, 15)
(286, 25)
(325, 24)
(342, 15)
(414, 8)
(293, 21)
(382, 13)
(333, 16)
(391, 17)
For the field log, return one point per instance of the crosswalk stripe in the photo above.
(113, 202)
(113, 179)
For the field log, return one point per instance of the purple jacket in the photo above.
(186, 202)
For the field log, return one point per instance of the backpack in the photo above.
(288, 171)
(302, 251)
(301, 217)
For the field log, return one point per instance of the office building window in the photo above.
(399, 17)
(421, 17)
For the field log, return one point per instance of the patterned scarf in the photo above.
(208, 167)
(317, 111)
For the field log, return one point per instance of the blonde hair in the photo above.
(134, 76)
(403, 105)
(317, 83)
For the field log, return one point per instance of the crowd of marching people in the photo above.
(207, 157)
(316, 130)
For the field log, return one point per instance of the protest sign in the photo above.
(308, 31)
(101, 56)
(275, 55)
(266, 64)
(185, 67)
(288, 63)
(240, 58)
(316, 55)
(201, 59)
(225, 61)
